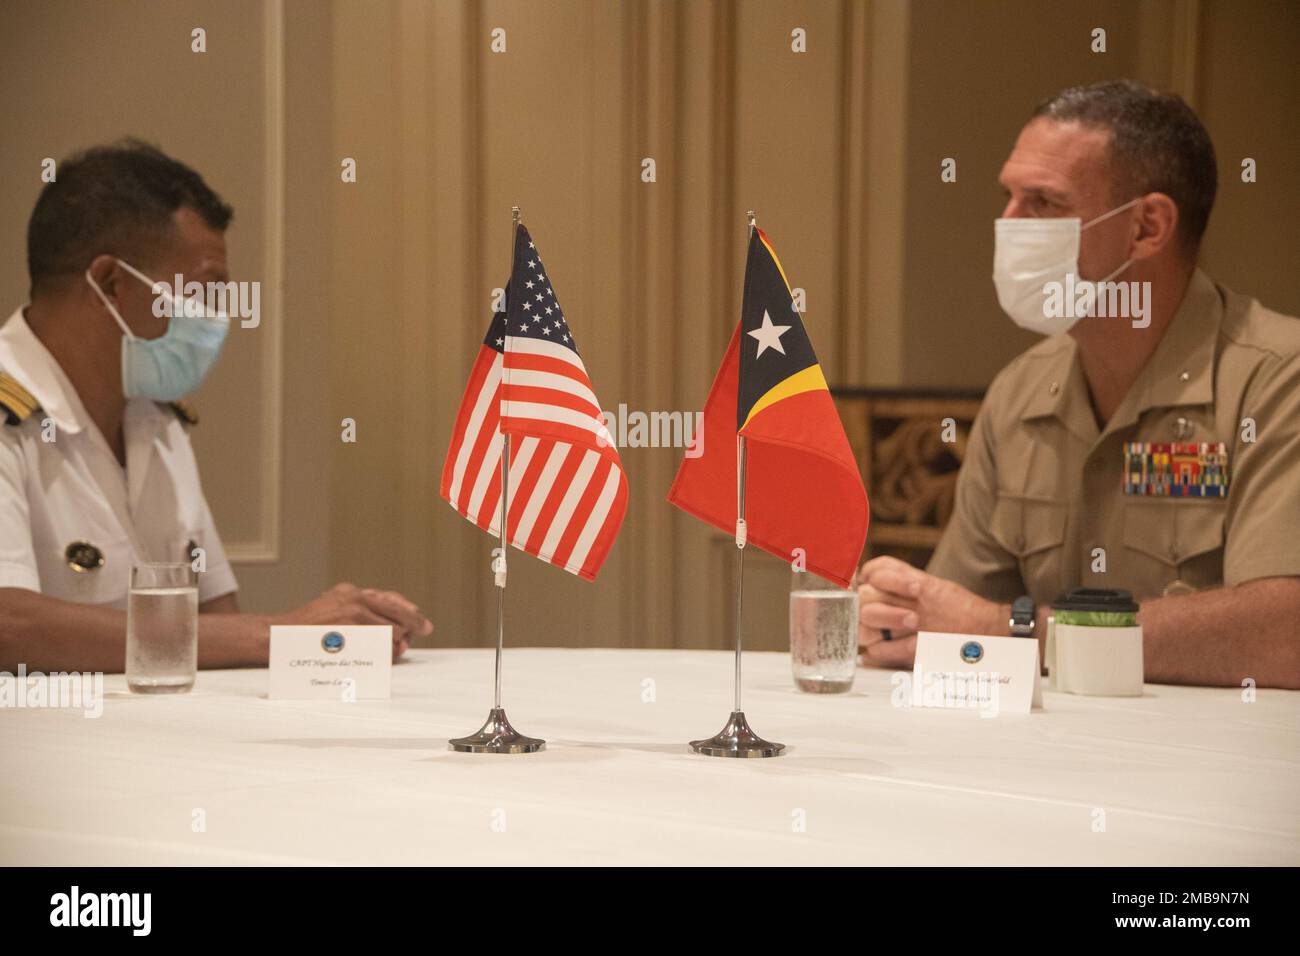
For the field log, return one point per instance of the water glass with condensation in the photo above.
(162, 629)
(823, 634)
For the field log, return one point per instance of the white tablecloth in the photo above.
(1180, 776)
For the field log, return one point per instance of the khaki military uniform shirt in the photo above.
(1040, 504)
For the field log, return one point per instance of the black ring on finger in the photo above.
(884, 632)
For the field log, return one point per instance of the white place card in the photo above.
(974, 672)
(339, 662)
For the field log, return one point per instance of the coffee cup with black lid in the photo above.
(1094, 644)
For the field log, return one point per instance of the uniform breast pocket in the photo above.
(1033, 530)
(1179, 540)
(92, 572)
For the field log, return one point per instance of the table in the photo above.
(1179, 776)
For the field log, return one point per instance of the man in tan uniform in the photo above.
(1157, 451)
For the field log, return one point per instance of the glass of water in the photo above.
(162, 629)
(823, 634)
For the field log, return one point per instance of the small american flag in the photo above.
(567, 489)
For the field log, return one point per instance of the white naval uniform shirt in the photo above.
(57, 493)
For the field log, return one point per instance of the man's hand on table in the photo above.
(349, 604)
(895, 596)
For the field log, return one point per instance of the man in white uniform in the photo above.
(96, 468)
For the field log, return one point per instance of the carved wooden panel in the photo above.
(909, 454)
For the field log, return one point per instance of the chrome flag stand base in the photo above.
(498, 737)
(736, 740)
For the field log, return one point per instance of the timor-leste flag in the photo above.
(802, 485)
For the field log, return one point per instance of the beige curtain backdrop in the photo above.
(382, 288)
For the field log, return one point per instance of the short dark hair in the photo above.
(1157, 144)
(117, 200)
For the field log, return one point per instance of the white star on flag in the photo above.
(769, 335)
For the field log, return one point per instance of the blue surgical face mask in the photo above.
(174, 364)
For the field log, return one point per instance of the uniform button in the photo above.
(1177, 587)
(1185, 376)
(82, 556)
(1053, 388)
(1183, 429)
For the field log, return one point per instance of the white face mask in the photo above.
(1030, 253)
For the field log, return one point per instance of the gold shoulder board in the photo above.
(15, 401)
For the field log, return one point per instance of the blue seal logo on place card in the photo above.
(332, 642)
(972, 651)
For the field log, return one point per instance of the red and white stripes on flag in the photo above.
(568, 492)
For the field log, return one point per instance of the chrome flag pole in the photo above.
(736, 739)
(496, 736)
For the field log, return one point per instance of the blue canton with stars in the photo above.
(532, 310)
